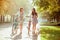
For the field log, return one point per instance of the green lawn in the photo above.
(50, 33)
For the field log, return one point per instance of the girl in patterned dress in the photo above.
(34, 19)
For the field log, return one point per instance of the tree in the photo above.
(12, 6)
(48, 5)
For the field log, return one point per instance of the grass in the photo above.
(50, 33)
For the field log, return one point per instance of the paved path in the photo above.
(5, 32)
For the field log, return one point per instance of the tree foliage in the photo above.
(47, 4)
(51, 6)
(12, 6)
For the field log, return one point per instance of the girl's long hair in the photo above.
(34, 13)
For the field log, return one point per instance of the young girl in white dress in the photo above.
(21, 19)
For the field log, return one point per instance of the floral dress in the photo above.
(34, 19)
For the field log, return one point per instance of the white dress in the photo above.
(21, 18)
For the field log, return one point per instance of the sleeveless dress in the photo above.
(21, 18)
(34, 19)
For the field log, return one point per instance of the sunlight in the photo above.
(31, 1)
(7, 18)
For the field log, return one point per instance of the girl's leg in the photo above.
(15, 31)
(12, 30)
(29, 24)
(20, 28)
(33, 30)
(28, 30)
(34, 27)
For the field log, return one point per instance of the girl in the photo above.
(21, 19)
(34, 20)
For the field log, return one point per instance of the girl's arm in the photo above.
(37, 15)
